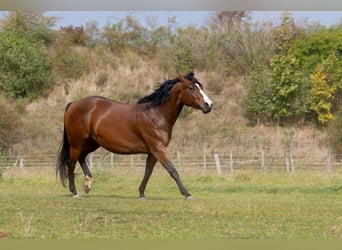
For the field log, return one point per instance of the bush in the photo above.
(334, 133)
(321, 95)
(313, 49)
(288, 86)
(76, 34)
(101, 79)
(183, 52)
(70, 64)
(237, 44)
(33, 23)
(10, 125)
(24, 65)
(259, 93)
(127, 34)
(333, 70)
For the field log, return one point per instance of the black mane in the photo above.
(161, 93)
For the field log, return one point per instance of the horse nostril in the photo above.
(207, 107)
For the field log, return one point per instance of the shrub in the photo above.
(76, 34)
(333, 71)
(312, 49)
(24, 65)
(287, 87)
(286, 33)
(101, 79)
(31, 23)
(334, 133)
(321, 95)
(237, 44)
(126, 34)
(10, 125)
(71, 64)
(259, 93)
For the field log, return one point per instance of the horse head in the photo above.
(192, 93)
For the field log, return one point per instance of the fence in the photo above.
(221, 162)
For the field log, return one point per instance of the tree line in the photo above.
(293, 71)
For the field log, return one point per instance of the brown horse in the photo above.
(145, 127)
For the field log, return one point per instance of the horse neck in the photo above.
(173, 106)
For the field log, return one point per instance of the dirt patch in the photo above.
(3, 234)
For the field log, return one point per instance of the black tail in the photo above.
(63, 156)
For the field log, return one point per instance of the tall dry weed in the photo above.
(128, 79)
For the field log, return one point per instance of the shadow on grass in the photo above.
(121, 197)
(278, 189)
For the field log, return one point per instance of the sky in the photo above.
(185, 18)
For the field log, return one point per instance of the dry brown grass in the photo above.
(132, 77)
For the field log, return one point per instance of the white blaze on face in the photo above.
(205, 97)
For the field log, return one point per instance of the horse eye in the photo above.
(191, 87)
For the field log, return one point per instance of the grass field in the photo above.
(244, 206)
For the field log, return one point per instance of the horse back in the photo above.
(113, 125)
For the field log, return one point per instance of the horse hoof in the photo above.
(190, 198)
(78, 195)
(86, 188)
(142, 198)
(87, 184)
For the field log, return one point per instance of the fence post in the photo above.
(262, 161)
(111, 160)
(132, 161)
(179, 159)
(21, 162)
(287, 163)
(292, 164)
(204, 157)
(217, 163)
(329, 160)
(231, 162)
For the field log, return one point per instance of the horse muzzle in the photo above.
(206, 108)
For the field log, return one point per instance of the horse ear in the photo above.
(181, 77)
(191, 74)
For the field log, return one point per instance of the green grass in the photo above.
(246, 205)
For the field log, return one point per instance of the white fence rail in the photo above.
(221, 162)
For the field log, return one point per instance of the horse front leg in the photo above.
(174, 174)
(163, 158)
(150, 163)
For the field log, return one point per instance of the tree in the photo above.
(93, 34)
(286, 33)
(10, 125)
(75, 34)
(312, 49)
(321, 95)
(287, 87)
(127, 34)
(333, 70)
(32, 23)
(24, 65)
(334, 133)
(230, 18)
(259, 93)
(239, 44)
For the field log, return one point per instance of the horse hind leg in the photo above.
(71, 177)
(87, 184)
(74, 155)
(91, 146)
(88, 178)
(150, 163)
